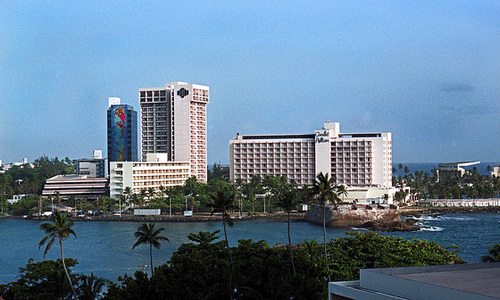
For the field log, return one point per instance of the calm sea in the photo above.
(105, 248)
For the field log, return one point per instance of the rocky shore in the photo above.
(391, 226)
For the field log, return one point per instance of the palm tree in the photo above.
(288, 201)
(191, 186)
(203, 238)
(324, 189)
(147, 234)
(222, 201)
(58, 199)
(494, 254)
(134, 200)
(142, 198)
(341, 191)
(60, 229)
(386, 198)
(151, 193)
(91, 287)
(121, 202)
(127, 192)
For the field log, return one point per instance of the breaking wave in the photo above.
(431, 228)
(458, 218)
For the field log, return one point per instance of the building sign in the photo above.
(182, 92)
(322, 136)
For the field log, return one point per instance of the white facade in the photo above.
(494, 172)
(354, 159)
(16, 198)
(97, 154)
(292, 156)
(8, 166)
(369, 195)
(155, 172)
(461, 202)
(174, 121)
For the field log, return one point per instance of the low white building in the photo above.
(16, 198)
(156, 171)
(8, 166)
(454, 169)
(461, 202)
(495, 172)
(369, 195)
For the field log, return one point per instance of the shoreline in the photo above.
(296, 217)
(281, 217)
(448, 210)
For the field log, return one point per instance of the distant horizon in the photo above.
(426, 71)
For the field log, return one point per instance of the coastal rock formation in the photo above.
(382, 225)
(376, 217)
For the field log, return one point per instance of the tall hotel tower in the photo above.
(122, 131)
(174, 121)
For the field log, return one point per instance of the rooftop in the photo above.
(459, 164)
(468, 281)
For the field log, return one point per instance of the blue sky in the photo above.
(427, 71)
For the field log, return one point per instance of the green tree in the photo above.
(25, 206)
(204, 238)
(142, 198)
(341, 191)
(494, 254)
(127, 192)
(41, 280)
(223, 201)
(218, 172)
(400, 197)
(324, 189)
(371, 250)
(59, 229)
(262, 272)
(91, 287)
(191, 186)
(147, 234)
(151, 193)
(386, 198)
(288, 199)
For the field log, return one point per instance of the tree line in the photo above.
(425, 185)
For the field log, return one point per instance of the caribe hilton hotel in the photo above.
(354, 159)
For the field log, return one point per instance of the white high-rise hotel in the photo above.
(174, 121)
(354, 159)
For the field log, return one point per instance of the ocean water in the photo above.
(105, 248)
